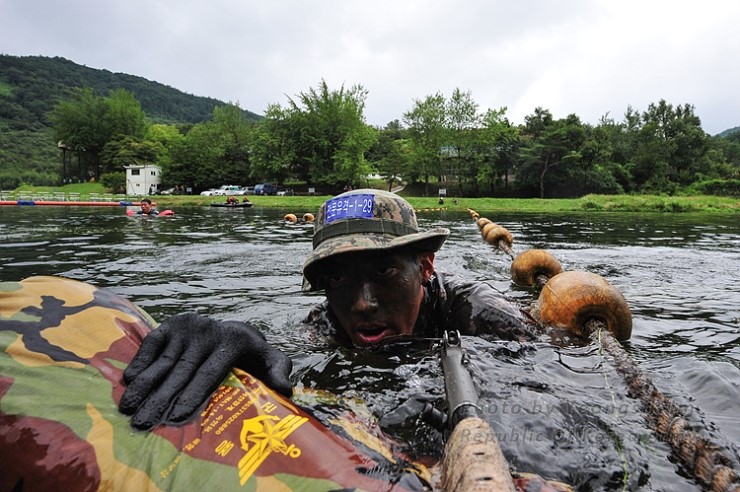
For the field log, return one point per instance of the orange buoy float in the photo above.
(495, 234)
(308, 217)
(534, 267)
(290, 218)
(480, 222)
(500, 237)
(486, 227)
(573, 299)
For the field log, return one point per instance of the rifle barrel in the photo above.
(462, 396)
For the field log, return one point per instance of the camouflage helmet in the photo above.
(365, 220)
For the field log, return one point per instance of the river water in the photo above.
(558, 406)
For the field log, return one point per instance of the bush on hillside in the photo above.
(13, 178)
(716, 187)
(114, 181)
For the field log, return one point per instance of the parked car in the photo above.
(265, 189)
(228, 190)
(247, 190)
(225, 190)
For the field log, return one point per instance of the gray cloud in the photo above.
(588, 57)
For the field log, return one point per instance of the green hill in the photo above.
(30, 86)
(729, 132)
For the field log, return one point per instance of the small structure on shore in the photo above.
(142, 179)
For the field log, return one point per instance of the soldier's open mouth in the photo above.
(370, 335)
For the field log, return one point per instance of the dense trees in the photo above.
(426, 122)
(391, 153)
(662, 150)
(104, 133)
(273, 149)
(548, 144)
(499, 142)
(330, 136)
(211, 153)
(320, 138)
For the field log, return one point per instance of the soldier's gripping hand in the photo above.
(183, 361)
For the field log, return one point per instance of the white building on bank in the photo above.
(142, 179)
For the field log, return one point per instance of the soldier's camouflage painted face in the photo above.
(376, 294)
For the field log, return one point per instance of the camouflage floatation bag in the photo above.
(64, 345)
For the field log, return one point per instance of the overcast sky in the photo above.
(588, 57)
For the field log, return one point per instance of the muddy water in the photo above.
(558, 406)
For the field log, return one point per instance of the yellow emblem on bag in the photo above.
(266, 437)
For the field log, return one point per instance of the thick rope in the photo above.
(696, 453)
(505, 248)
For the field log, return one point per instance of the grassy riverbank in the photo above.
(588, 203)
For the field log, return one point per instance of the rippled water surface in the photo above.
(558, 406)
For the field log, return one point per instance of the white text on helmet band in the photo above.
(358, 206)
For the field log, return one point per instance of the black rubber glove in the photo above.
(183, 361)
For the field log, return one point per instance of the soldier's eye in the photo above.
(385, 271)
(334, 280)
